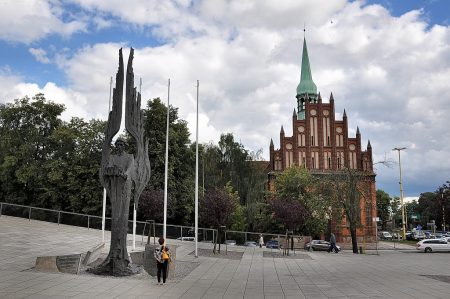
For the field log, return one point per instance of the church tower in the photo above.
(321, 143)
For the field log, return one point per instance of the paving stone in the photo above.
(391, 274)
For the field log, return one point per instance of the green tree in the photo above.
(383, 207)
(26, 148)
(297, 183)
(181, 158)
(348, 194)
(229, 162)
(237, 218)
(82, 163)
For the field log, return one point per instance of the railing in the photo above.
(95, 222)
(143, 228)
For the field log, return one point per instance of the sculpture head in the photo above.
(120, 145)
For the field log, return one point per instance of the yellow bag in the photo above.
(165, 255)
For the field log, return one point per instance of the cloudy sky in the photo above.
(387, 63)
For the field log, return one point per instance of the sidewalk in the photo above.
(393, 274)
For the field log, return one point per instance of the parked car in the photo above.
(250, 244)
(430, 245)
(416, 235)
(429, 235)
(230, 242)
(319, 245)
(273, 244)
(385, 236)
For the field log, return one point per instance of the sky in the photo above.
(387, 63)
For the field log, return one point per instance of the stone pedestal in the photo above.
(150, 262)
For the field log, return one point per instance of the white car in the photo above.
(430, 245)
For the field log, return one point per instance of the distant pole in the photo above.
(104, 190)
(196, 179)
(401, 191)
(443, 211)
(167, 163)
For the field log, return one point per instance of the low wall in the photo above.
(62, 263)
(93, 254)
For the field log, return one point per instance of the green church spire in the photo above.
(306, 89)
(306, 84)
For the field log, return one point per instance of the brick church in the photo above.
(321, 143)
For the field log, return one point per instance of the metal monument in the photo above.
(123, 175)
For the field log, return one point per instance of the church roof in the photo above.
(306, 84)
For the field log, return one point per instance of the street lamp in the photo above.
(443, 216)
(401, 191)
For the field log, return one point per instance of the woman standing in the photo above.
(162, 256)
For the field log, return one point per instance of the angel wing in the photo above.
(134, 123)
(114, 118)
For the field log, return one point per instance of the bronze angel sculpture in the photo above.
(123, 175)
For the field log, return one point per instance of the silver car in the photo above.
(430, 245)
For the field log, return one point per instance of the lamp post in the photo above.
(401, 191)
(443, 217)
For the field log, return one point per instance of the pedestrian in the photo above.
(261, 241)
(162, 256)
(333, 244)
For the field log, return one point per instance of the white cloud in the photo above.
(13, 87)
(389, 73)
(26, 21)
(39, 54)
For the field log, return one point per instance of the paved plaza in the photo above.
(401, 273)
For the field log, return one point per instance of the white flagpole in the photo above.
(196, 180)
(134, 204)
(104, 190)
(167, 163)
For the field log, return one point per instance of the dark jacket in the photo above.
(332, 239)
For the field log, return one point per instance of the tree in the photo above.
(237, 218)
(151, 205)
(216, 208)
(290, 212)
(181, 158)
(297, 183)
(25, 148)
(348, 193)
(73, 170)
(383, 207)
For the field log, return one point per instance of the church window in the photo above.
(314, 128)
(368, 215)
(326, 129)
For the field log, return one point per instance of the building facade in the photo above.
(321, 143)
